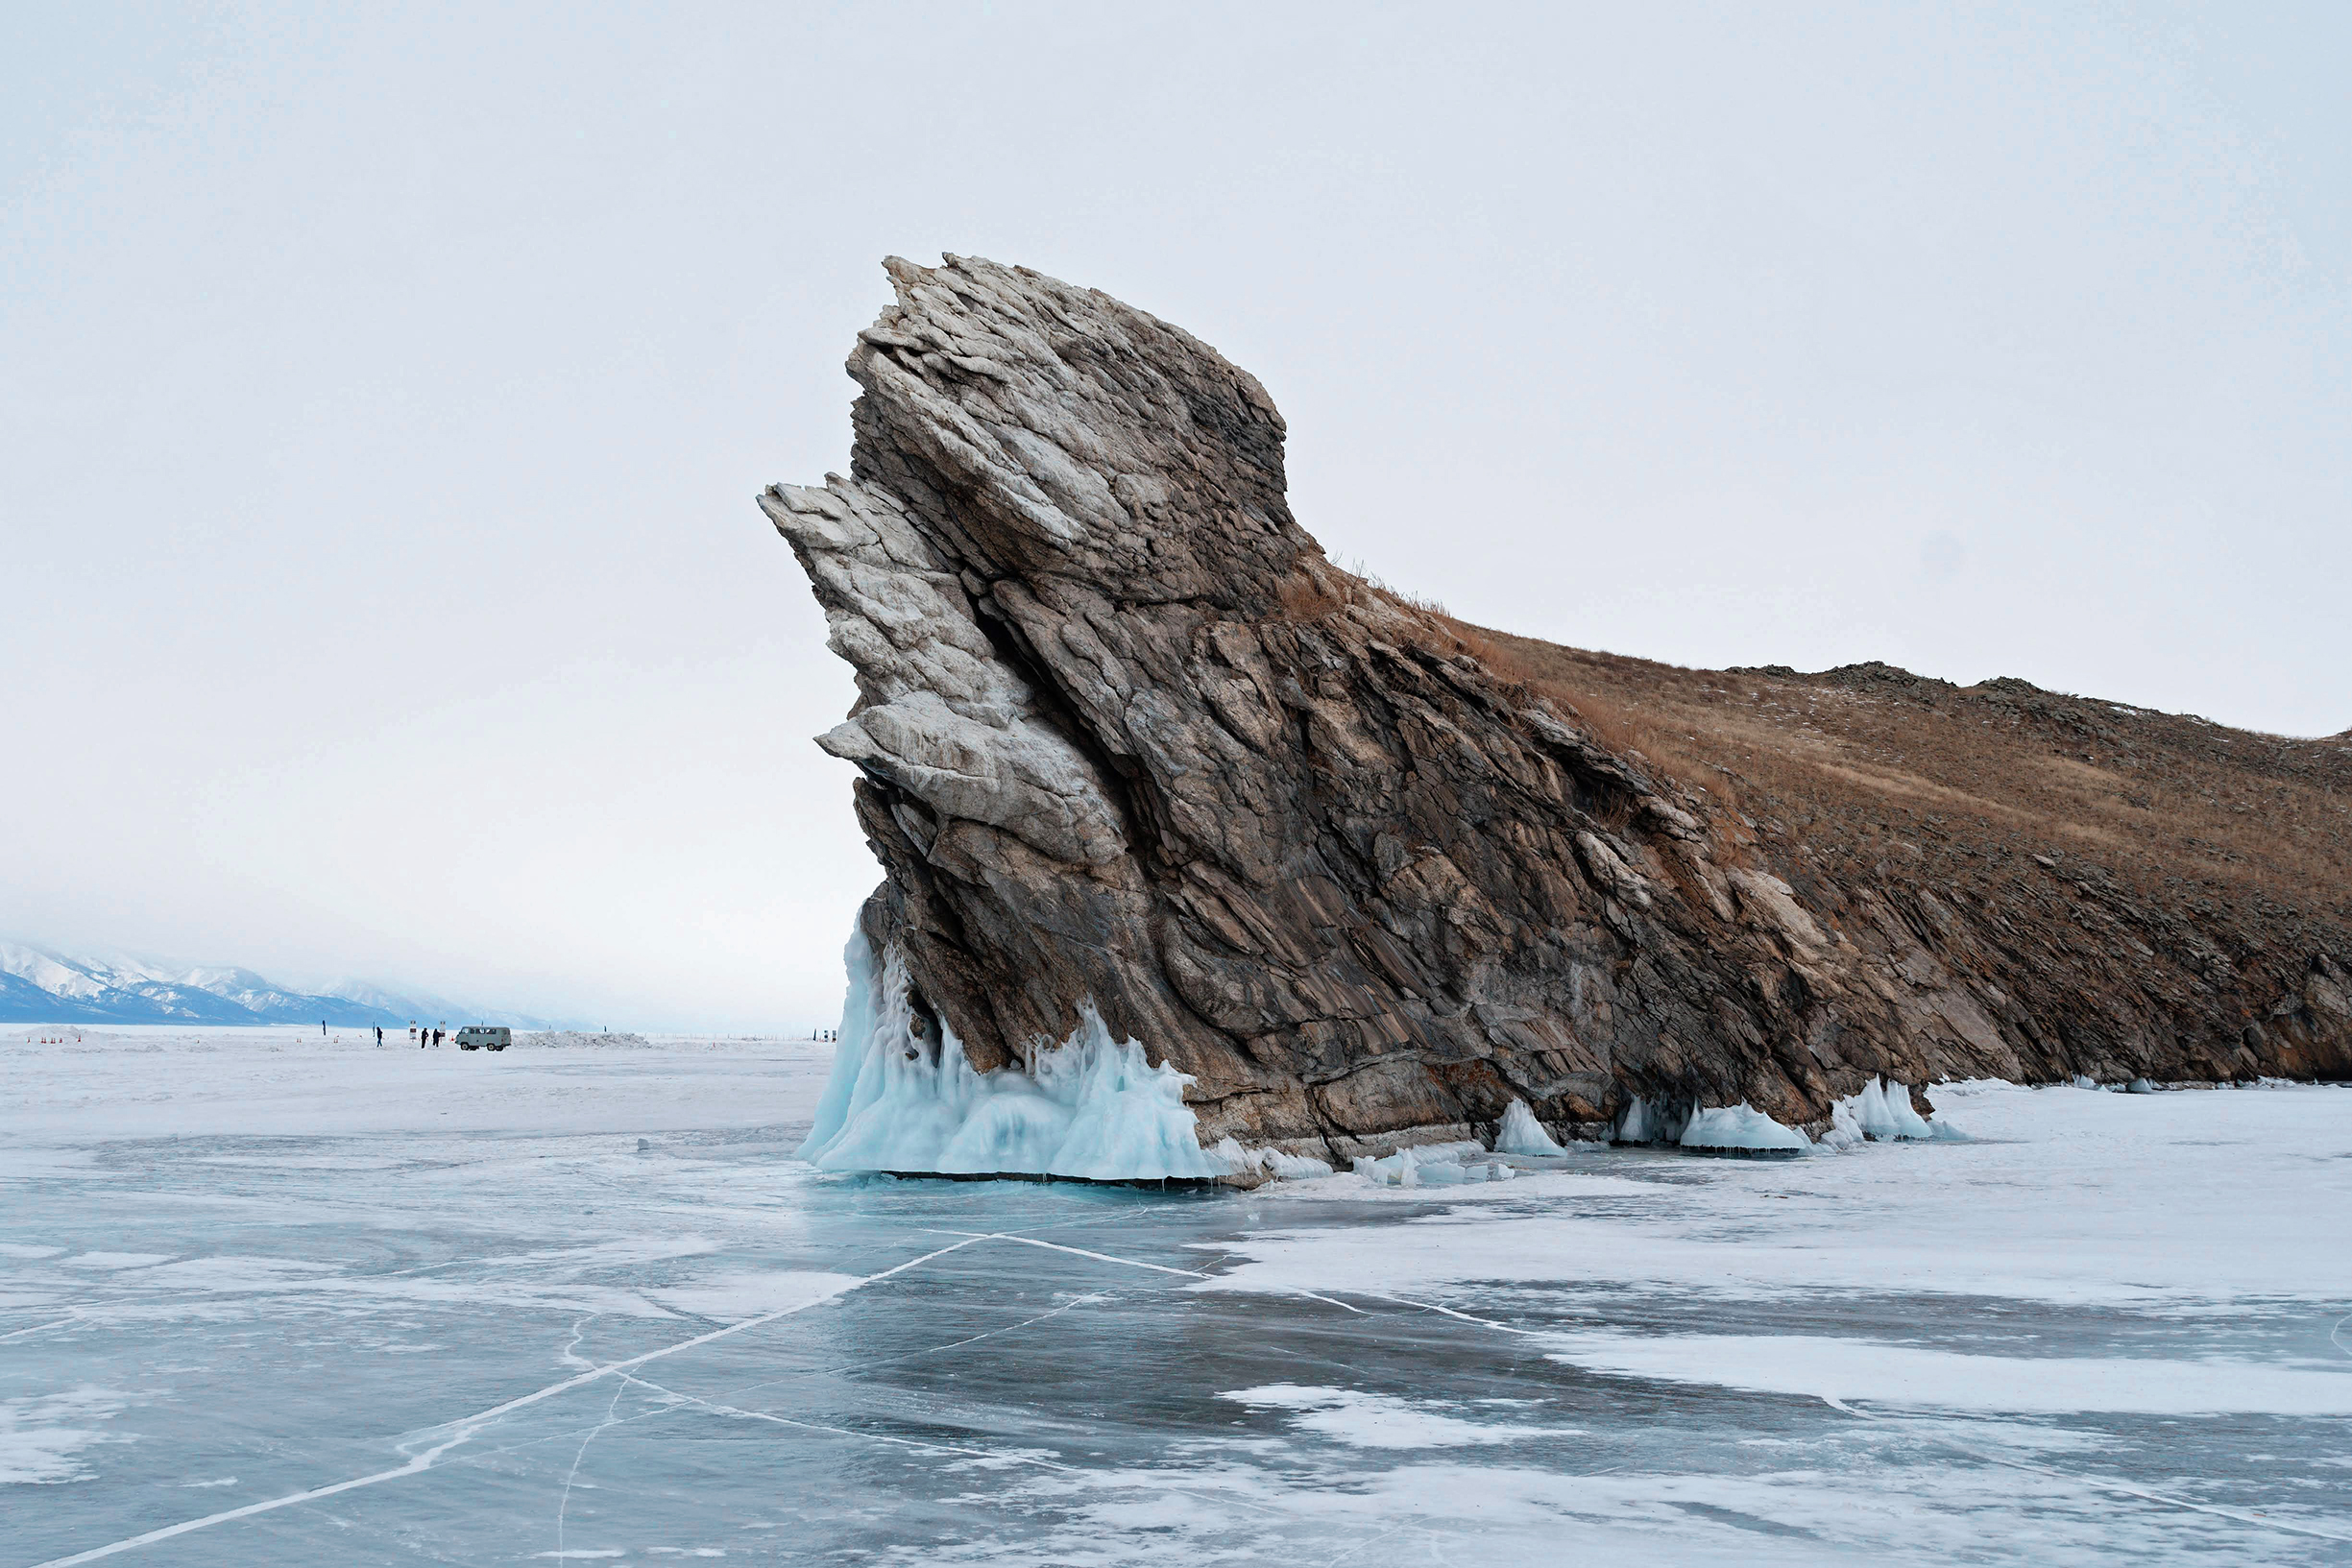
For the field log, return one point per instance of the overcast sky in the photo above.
(385, 394)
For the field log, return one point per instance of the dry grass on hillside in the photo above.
(1869, 770)
(1850, 769)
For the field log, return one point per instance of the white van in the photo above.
(484, 1037)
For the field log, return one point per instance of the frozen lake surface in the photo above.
(309, 1302)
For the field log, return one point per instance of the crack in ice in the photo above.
(465, 1427)
(36, 1328)
(563, 1501)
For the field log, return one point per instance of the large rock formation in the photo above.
(1126, 736)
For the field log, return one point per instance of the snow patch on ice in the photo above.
(1092, 1107)
(1740, 1127)
(41, 1436)
(1522, 1134)
(1368, 1420)
(579, 1040)
(1816, 1367)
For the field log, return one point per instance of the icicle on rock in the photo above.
(1091, 1109)
(1647, 1121)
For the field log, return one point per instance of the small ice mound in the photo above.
(1740, 1128)
(1091, 1109)
(1276, 1164)
(1522, 1134)
(2139, 1086)
(1441, 1164)
(2083, 1080)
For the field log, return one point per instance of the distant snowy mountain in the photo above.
(39, 986)
(424, 1004)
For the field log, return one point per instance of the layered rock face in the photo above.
(1127, 737)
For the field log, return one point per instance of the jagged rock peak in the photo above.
(1052, 431)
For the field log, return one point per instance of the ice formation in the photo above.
(1273, 1162)
(1884, 1110)
(1432, 1164)
(1091, 1108)
(1522, 1134)
(1740, 1127)
(1094, 1108)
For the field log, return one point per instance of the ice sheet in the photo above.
(2062, 1197)
(480, 1345)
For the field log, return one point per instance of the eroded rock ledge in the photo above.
(1126, 737)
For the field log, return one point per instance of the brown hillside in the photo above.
(1852, 766)
(2079, 831)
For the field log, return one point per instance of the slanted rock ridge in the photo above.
(1128, 740)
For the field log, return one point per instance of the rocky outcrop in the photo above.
(1126, 736)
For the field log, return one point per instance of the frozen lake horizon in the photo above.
(267, 1299)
